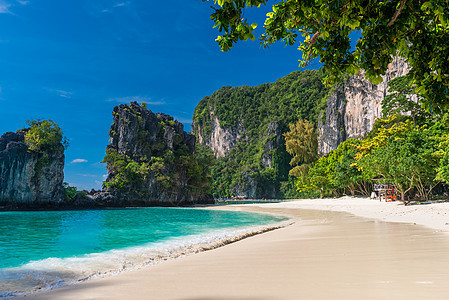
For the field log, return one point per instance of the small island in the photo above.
(151, 161)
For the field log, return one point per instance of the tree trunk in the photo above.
(403, 197)
(352, 189)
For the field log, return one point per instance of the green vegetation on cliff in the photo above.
(151, 158)
(258, 165)
(44, 135)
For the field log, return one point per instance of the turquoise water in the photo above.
(59, 247)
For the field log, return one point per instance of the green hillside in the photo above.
(263, 112)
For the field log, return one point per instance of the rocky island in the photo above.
(151, 160)
(31, 168)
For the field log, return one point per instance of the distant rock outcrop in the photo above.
(354, 106)
(150, 160)
(29, 178)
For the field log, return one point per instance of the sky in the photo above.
(72, 61)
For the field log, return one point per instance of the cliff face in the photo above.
(150, 159)
(221, 139)
(354, 106)
(29, 178)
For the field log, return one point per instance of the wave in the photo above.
(52, 273)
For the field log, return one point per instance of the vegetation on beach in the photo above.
(409, 151)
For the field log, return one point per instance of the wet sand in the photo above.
(323, 255)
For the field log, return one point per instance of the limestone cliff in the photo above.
(150, 159)
(353, 107)
(29, 178)
(221, 139)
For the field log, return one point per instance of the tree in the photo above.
(417, 30)
(443, 168)
(318, 177)
(346, 175)
(443, 151)
(335, 172)
(199, 171)
(403, 100)
(301, 142)
(72, 192)
(407, 160)
(44, 135)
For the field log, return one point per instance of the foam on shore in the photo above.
(51, 273)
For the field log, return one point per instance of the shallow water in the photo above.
(41, 250)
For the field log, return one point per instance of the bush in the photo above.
(44, 136)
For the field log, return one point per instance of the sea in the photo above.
(42, 250)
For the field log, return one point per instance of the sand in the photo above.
(325, 254)
(434, 216)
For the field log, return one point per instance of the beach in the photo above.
(346, 248)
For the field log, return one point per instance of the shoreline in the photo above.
(53, 273)
(324, 254)
(433, 216)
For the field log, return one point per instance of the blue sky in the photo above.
(72, 61)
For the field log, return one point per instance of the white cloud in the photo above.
(61, 93)
(110, 9)
(78, 160)
(104, 176)
(4, 7)
(121, 4)
(139, 99)
(64, 94)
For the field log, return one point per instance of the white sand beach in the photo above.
(346, 248)
(435, 215)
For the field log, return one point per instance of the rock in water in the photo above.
(150, 160)
(29, 178)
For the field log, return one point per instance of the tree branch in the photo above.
(313, 39)
(311, 43)
(396, 14)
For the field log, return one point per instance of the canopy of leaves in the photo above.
(405, 159)
(417, 30)
(43, 136)
(301, 142)
(403, 100)
(335, 172)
